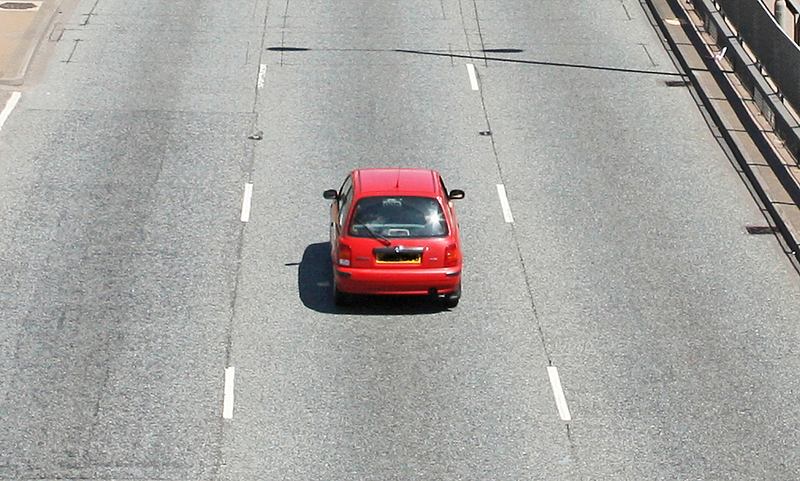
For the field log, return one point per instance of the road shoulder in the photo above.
(759, 154)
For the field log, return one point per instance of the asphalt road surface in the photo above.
(158, 323)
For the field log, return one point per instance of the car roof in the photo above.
(418, 181)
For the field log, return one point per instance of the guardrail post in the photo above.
(783, 15)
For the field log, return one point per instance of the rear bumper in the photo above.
(397, 281)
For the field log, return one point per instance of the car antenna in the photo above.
(397, 182)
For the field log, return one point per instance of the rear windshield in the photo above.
(398, 217)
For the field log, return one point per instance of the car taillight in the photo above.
(451, 256)
(344, 254)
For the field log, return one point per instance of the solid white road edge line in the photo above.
(227, 400)
(10, 104)
(262, 70)
(248, 196)
(501, 192)
(561, 401)
(473, 77)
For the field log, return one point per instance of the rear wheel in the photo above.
(340, 298)
(451, 300)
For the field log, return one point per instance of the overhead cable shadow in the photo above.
(484, 57)
(539, 62)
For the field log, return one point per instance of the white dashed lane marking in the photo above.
(501, 192)
(227, 400)
(473, 77)
(262, 70)
(558, 393)
(248, 196)
(10, 104)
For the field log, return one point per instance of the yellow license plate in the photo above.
(398, 259)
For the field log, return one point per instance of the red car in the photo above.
(394, 231)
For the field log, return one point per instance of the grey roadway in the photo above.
(129, 282)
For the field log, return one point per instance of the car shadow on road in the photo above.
(315, 278)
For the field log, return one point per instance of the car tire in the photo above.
(451, 300)
(341, 298)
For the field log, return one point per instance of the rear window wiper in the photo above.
(383, 240)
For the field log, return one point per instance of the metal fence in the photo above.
(778, 54)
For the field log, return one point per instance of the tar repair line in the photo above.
(10, 104)
(248, 196)
(501, 192)
(473, 77)
(227, 400)
(558, 392)
(262, 70)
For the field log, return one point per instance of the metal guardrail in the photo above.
(760, 32)
(774, 50)
(769, 103)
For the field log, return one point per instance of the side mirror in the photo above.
(456, 194)
(330, 194)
